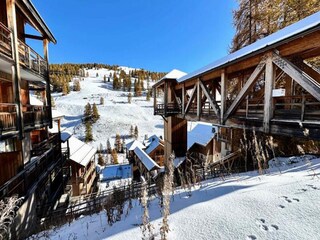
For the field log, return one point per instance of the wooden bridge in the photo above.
(268, 86)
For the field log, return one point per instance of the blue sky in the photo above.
(156, 35)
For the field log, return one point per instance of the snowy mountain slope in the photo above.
(116, 115)
(282, 204)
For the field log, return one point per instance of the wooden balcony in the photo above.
(33, 116)
(168, 109)
(24, 177)
(28, 58)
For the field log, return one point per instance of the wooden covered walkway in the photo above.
(268, 86)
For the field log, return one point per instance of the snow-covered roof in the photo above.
(174, 74)
(116, 172)
(145, 159)
(133, 144)
(202, 134)
(152, 143)
(80, 152)
(269, 41)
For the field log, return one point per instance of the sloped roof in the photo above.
(133, 144)
(145, 159)
(290, 31)
(80, 152)
(173, 74)
(201, 134)
(152, 143)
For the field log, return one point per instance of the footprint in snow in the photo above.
(281, 206)
(296, 199)
(274, 227)
(303, 189)
(288, 200)
(312, 186)
(260, 220)
(251, 237)
(264, 228)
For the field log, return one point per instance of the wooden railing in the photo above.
(5, 40)
(8, 117)
(31, 59)
(33, 115)
(168, 109)
(27, 56)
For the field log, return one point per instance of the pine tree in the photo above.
(65, 89)
(131, 134)
(101, 101)
(148, 95)
(87, 112)
(95, 113)
(129, 97)
(100, 160)
(76, 86)
(136, 132)
(88, 132)
(97, 74)
(115, 156)
(104, 78)
(108, 146)
(117, 143)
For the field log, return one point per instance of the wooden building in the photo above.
(267, 87)
(31, 158)
(155, 149)
(82, 165)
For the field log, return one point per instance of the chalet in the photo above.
(82, 164)
(31, 158)
(145, 166)
(155, 149)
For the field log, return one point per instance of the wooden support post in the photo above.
(16, 78)
(47, 76)
(154, 98)
(303, 107)
(191, 98)
(223, 96)
(183, 99)
(268, 102)
(165, 97)
(198, 99)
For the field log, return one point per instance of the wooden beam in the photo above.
(223, 95)
(33, 37)
(178, 100)
(16, 77)
(299, 76)
(268, 102)
(47, 76)
(191, 98)
(212, 102)
(183, 99)
(198, 99)
(245, 88)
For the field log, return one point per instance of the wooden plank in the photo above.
(213, 103)
(223, 96)
(183, 99)
(191, 98)
(268, 86)
(245, 89)
(198, 99)
(299, 76)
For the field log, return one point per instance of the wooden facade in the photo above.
(270, 89)
(31, 159)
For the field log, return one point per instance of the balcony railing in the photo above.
(5, 40)
(32, 116)
(27, 56)
(168, 109)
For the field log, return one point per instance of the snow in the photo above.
(174, 74)
(281, 204)
(133, 144)
(80, 152)
(145, 159)
(202, 134)
(281, 35)
(116, 115)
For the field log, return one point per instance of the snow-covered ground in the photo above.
(116, 115)
(281, 204)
